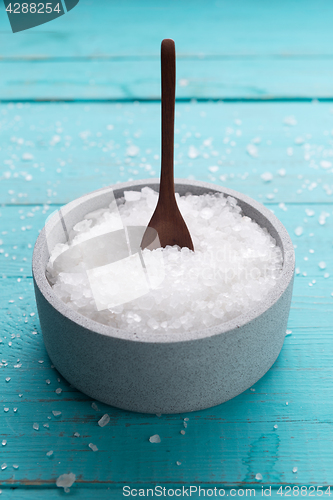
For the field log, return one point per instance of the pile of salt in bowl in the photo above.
(234, 266)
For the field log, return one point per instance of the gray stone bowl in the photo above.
(167, 373)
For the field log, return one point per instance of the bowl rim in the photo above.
(225, 328)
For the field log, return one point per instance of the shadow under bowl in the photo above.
(169, 372)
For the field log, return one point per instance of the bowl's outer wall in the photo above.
(157, 377)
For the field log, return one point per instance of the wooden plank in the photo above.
(75, 150)
(129, 28)
(202, 78)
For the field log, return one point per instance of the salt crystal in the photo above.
(252, 150)
(56, 413)
(49, 453)
(182, 432)
(155, 438)
(27, 157)
(132, 150)
(322, 265)
(93, 447)
(104, 420)
(267, 176)
(4, 442)
(132, 195)
(282, 172)
(65, 480)
(4, 466)
(36, 426)
(94, 406)
(298, 231)
(48, 381)
(294, 470)
(15, 466)
(76, 434)
(290, 120)
(178, 463)
(213, 169)
(288, 332)
(287, 403)
(7, 379)
(59, 390)
(258, 476)
(275, 426)
(192, 152)
(325, 164)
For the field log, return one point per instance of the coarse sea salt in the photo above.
(234, 265)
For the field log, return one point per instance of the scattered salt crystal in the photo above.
(290, 151)
(193, 152)
(178, 463)
(275, 426)
(253, 390)
(104, 420)
(322, 218)
(59, 390)
(213, 169)
(282, 172)
(290, 120)
(36, 426)
(76, 434)
(299, 140)
(3, 466)
(94, 406)
(298, 231)
(287, 403)
(27, 157)
(132, 195)
(46, 426)
(182, 432)
(267, 176)
(48, 381)
(186, 419)
(325, 164)
(155, 438)
(252, 150)
(65, 480)
(258, 476)
(93, 447)
(158, 415)
(322, 265)
(326, 275)
(132, 150)
(288, 332)
(7, 379)
(294, 470)
(49, 453)
(3, 442)
(56, 413)
(15, 466)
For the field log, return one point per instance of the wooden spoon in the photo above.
(167, 220)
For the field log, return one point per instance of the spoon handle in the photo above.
(168, 77)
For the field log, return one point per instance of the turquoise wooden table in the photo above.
(254, 113)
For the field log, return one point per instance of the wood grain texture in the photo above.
(224, 49)
(78, 148)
